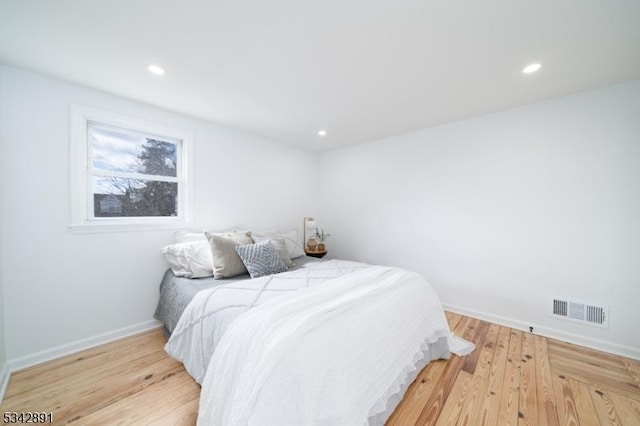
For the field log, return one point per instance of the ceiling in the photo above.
(362, 69)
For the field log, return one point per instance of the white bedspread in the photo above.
(211, 311)
(329, 354)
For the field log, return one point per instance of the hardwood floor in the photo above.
(512, 378)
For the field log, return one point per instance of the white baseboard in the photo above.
(80, 345)
(600, 345)
(4, 379)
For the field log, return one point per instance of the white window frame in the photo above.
(82, 214)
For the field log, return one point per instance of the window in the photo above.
(132, 174)
(127, 173)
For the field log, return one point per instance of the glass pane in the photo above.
(122, 197)
(119, 150)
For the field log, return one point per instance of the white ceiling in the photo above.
(362, 69)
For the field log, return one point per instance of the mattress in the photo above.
(177, 292)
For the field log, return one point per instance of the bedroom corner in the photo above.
(528, 204)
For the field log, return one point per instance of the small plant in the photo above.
(321, 235)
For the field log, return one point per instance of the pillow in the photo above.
(294, 247)
(261, 259)
(281, 247)
(190, 259)
(225, 260)
(293, 243)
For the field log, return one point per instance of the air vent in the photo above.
(560, 307)
(586, 313)
(576, 311)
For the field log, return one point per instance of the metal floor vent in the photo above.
(585, 313)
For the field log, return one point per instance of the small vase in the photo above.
(321, 247)
(312, 244)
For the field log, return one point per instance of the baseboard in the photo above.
(600, 345)
(80, 345)
(5, 373)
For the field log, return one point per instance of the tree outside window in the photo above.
(134, 175)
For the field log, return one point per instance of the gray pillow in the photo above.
(226, 262)
(261, 259)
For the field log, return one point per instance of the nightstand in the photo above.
(316, 253)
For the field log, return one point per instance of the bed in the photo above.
(176, 292)
(328, 343)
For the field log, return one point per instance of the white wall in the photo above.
(4, 368)
(503, 212)
(60, 287)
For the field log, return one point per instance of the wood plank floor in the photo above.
(512, 378)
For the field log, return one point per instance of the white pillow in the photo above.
(294, 246)
(293, 243)
(190, 256)
(190, 259)
(280, 246)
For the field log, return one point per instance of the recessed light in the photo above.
(322, 132)
(155, 70)
(531, 68)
